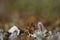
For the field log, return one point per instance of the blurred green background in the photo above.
(39, 8)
